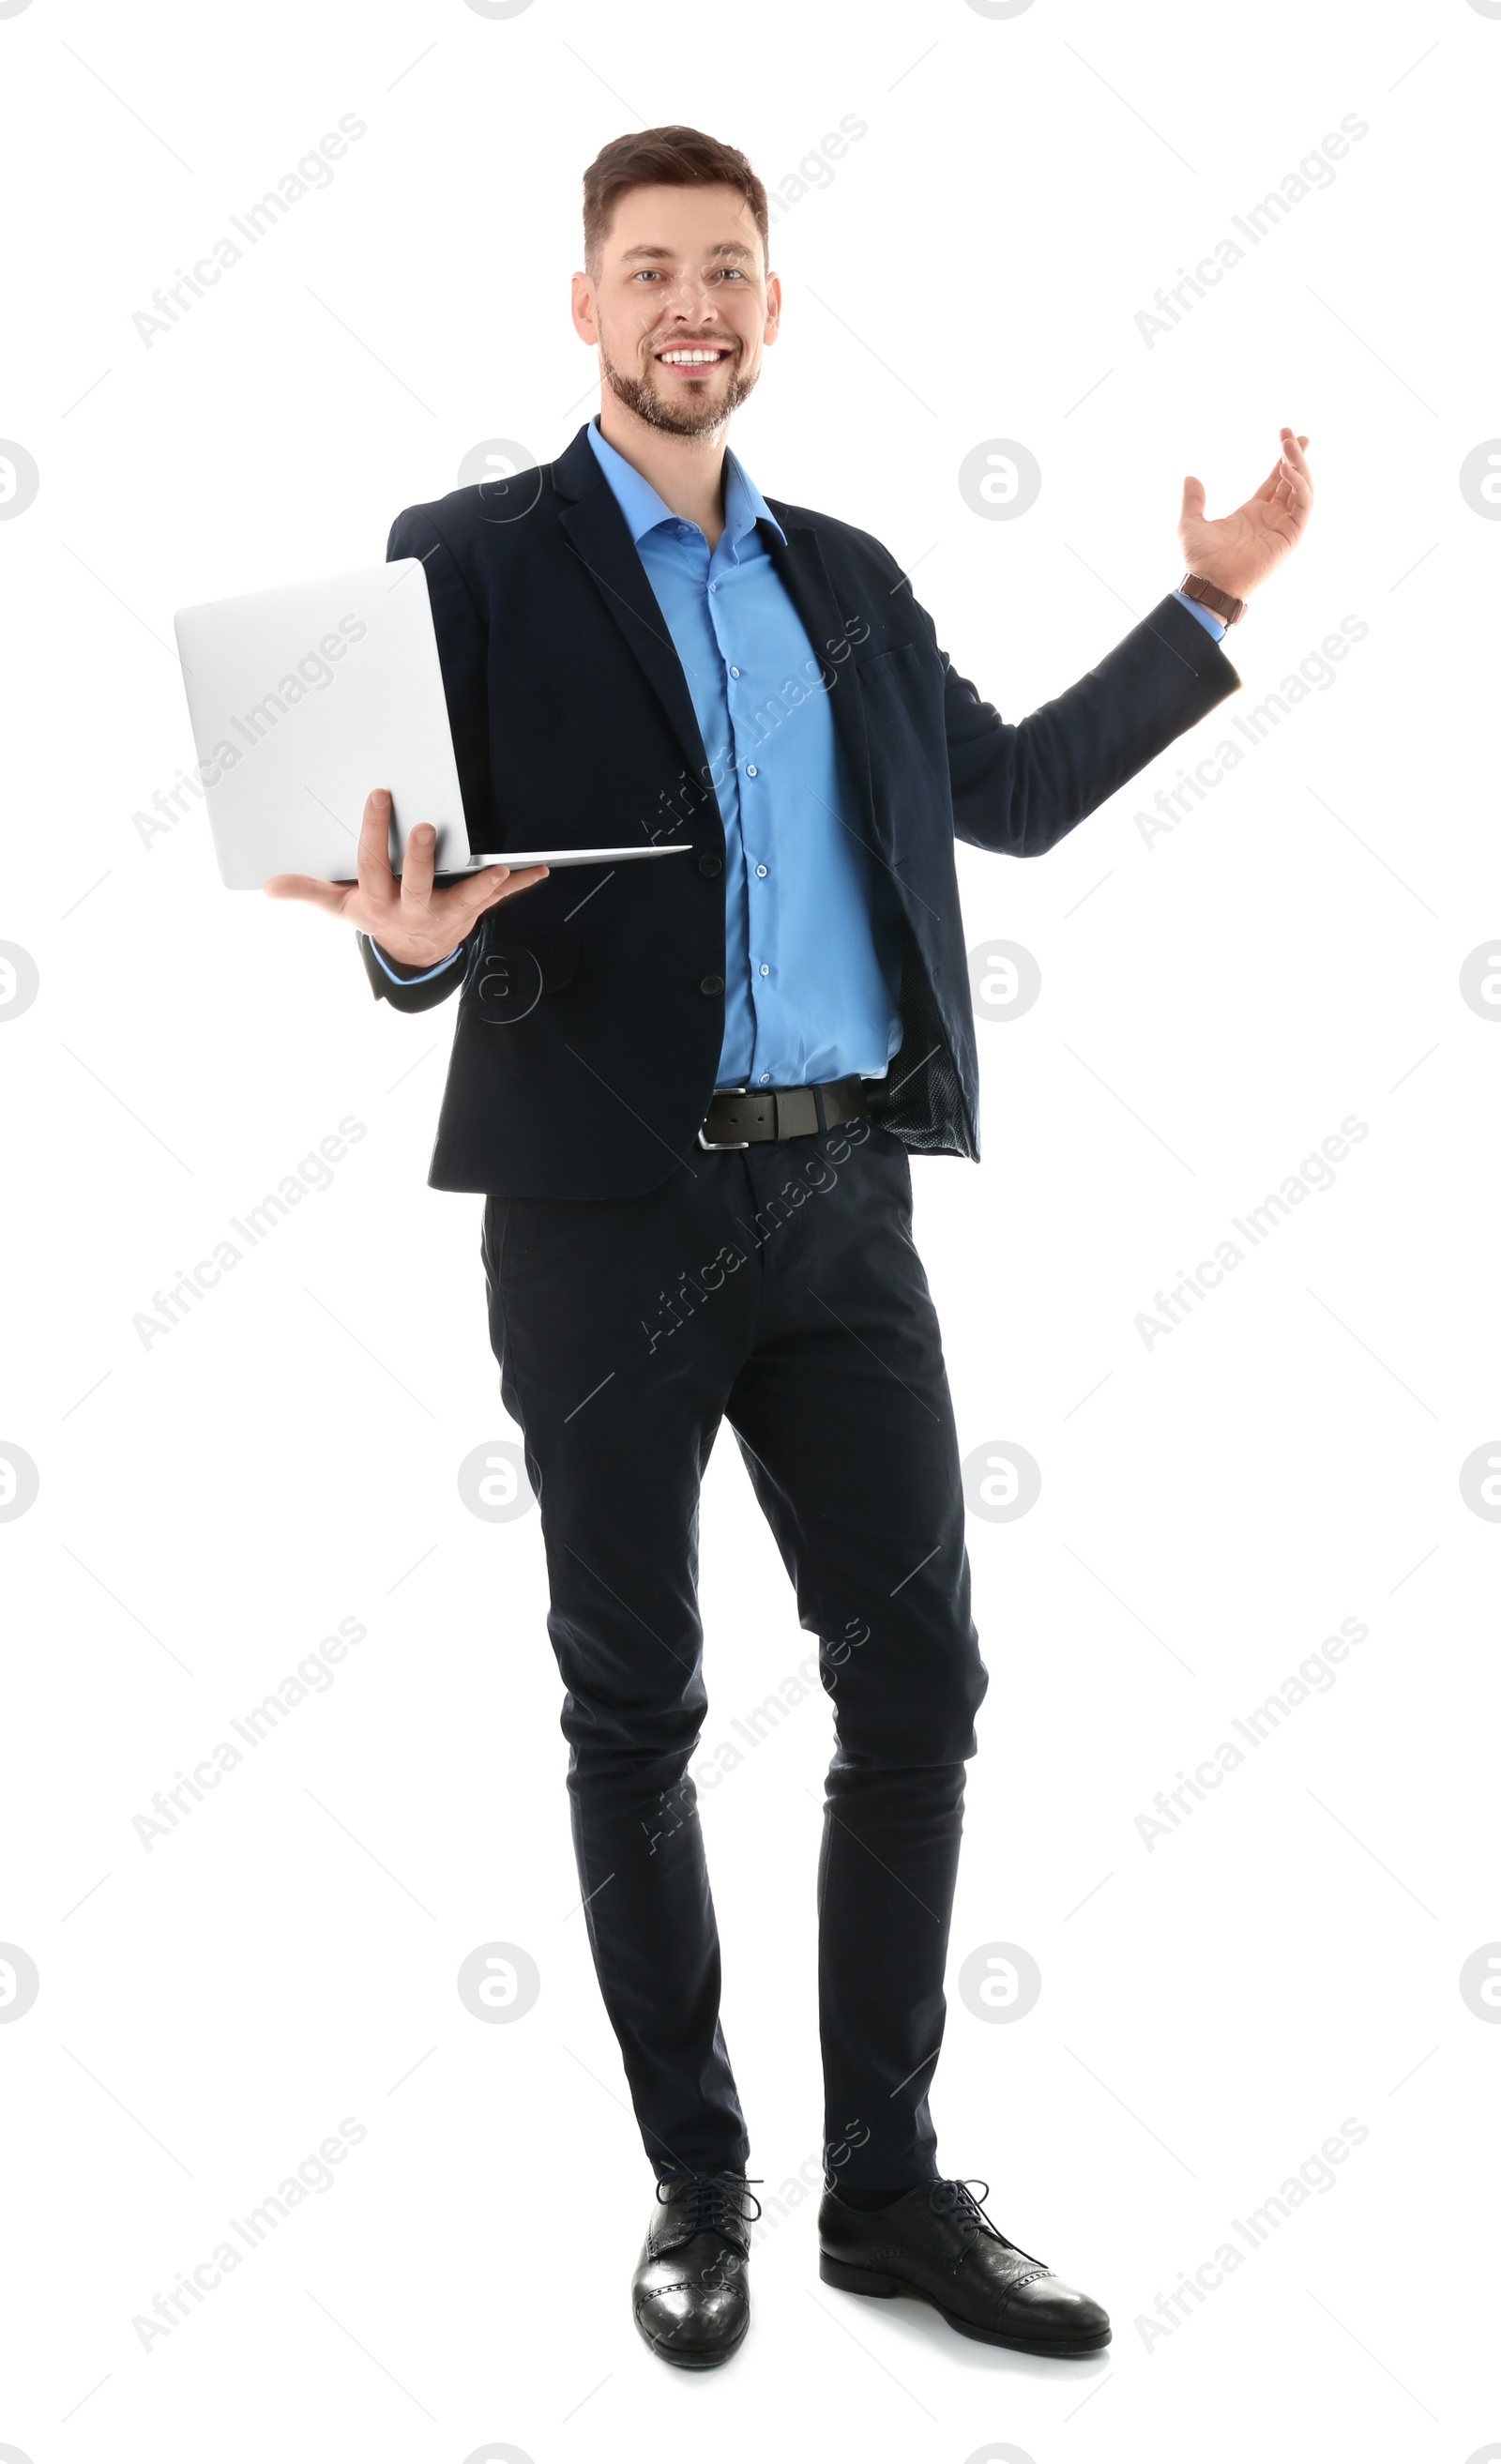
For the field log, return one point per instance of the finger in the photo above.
(1297, 488)
(373, 863)
(522, 879)
(1192, 501)
(327, 894)
(489, 888)
(417, 865)
(1293, 451)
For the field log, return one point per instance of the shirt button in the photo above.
(766, 1077)
(711, 984)
(750, 770)
(734, 672)
(760, 872)
(766, 971)
(709, 864)
(713, 585)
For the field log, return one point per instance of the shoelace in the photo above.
(718, 2203)
(957, 2201)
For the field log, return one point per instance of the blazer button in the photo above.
(710, 864)
(712, 984)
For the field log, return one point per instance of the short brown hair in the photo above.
(665, 158)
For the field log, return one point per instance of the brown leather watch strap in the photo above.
(1209, 594)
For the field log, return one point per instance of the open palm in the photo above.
(1240, 549)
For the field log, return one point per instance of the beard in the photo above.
(677, 417)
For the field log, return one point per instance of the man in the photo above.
(688, 1089)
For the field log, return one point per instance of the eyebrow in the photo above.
(664, 255)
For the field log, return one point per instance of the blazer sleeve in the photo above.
(415, 987)
(462, 654)
(1018, 788)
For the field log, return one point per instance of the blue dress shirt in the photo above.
(813, 943)
(813, 946)
(1212, 624)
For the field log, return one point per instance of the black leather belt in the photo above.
(746, 1116)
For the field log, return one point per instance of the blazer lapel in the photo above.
(805, 578)
(597, 534)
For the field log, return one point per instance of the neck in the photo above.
(687, 472)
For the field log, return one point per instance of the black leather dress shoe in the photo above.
(938, 2242)
(691, 2291)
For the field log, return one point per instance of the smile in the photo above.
(690, 359)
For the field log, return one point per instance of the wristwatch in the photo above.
(1209, 594)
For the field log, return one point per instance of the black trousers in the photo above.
(776, 1287)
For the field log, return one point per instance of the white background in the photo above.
(1214, 1003)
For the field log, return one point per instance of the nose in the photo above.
(689, 299)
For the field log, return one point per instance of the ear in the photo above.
(773, 308)
(583, 295)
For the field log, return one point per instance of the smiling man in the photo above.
(689, 1090)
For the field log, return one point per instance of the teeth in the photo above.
(690, 359)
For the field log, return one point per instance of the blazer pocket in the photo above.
(902, 692)
(509, 978)
(900, 659)
(889, 650)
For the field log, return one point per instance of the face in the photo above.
(681, 308)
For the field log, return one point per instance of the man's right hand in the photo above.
(414, 924)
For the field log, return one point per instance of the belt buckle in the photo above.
(724, 1146)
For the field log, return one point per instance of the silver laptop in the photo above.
(304, 698)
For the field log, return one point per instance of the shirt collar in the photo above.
(644, 511)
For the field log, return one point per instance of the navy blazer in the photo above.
(591, 1008)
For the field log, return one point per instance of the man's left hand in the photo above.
(1240, 549)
